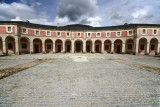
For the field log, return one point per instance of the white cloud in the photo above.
(61, 21)
(94, 21)
(141, 12)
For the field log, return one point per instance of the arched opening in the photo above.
(107, 46)
(98, 46)
(10, 45)
(67, 46)
(89, 46)
(37, 45)
(142, 45)
(24, 45)
(78, 46)
(153, 46)
(1, 47)
(48, 46)
(118, 46)
(58, 45)
(129, 46)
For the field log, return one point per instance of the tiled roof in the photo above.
(77, 26)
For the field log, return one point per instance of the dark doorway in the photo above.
(88, 49)
(36, 48)
(59, 48)
(78, 47)
(97, 48)
(68, 48)
(118, 48)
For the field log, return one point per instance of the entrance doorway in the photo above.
(68, 48)
(88, 48)
(36, 48)
(97, 49)
(78, 47)
(118, 48)
(59, 48)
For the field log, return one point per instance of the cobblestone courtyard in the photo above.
(82, 80)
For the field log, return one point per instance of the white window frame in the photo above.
(59, 34)
(79, 35)
(36, 32)
(7, 29)
(67, 34)
(117, 33)
(26, 30)
(130, 34)
(49, 33)
(145, 31)
(99, 34)
(90, 34)
(109, 34)
(156, 31)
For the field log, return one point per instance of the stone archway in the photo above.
(58, 46)
(142, 46)
(88, 46)
(10, 45)
(153, 46)
(98, 46)
(68, 46)
(107, 46)
(1, 46)
(37, 45)
(48, 45)
(78, 46)
(24, 45)
(129, 46)
(118, 46)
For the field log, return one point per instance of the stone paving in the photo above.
(81, 80)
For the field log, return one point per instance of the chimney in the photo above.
(57, 24)
(125, 23)
(27, 21)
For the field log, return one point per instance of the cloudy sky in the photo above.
(90, 12)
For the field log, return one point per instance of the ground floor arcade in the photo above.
(21, 45)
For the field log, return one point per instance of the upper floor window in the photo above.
(98, 34)
(144, 31)
(9, 29)
(79, 34)
(48, 33)
(58, 34)
(154, 31)
(130, 33)
(24, 30)
(118, 33)
(37, 32)
(89, 35)
(108, 34)
(68, 34)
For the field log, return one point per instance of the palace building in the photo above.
(18, 37)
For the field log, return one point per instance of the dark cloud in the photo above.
(74, 9)
(84, 21)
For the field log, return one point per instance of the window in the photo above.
(10, 46)
(89, 35)
(142, 47)
(154, 31)
(129, 46)
(152, 47)
(98, 34)
(118, 33)
(58, 34)
(130, 33)
(144, 31)
(67, 33)
(48, 46)
(108, 34)
(48, 33)
(37, 32)
(24, 30)
(24, 46)
(106, 47)
(79, 34)
(9, 29)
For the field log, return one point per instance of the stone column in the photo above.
(135, 46)
(102, 49)
(63, 46)
(53, 47)
(158, 48)
(72, 46)
(84, 46)
(123, 48)
(4, 47)
(17, 45)
(31, 47)
(112, 48)
(93, 47)
(147, 51)
(43, 47)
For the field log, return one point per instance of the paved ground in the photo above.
(83, 80)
